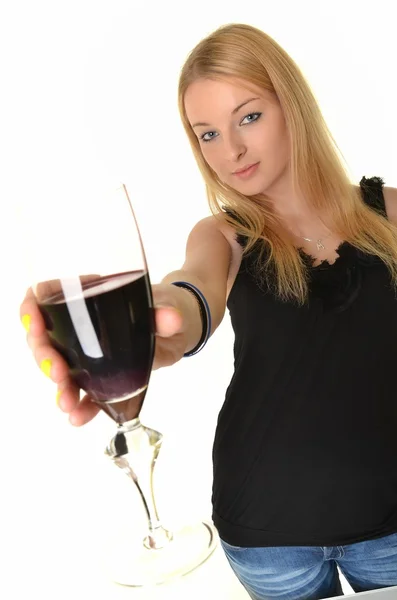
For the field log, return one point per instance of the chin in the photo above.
(250, 188)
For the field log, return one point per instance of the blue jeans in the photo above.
(310, 572)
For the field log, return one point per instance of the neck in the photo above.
(286, 202)
(293, 211)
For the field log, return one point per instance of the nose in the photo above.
(234, 147)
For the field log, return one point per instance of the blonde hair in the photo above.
(244, 52)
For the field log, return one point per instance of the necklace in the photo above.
(318, 242)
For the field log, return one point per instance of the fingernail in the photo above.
(26, 322)
(169, 306)
(45, 366)
(58, 396)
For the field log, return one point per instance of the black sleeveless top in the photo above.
(305, 450)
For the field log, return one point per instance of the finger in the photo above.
(84, 412)
(169, 321)
(168, 351)
(31, 316)
(35, 341)
(68, 395)
(51, 363)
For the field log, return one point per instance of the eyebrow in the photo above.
(233, 112)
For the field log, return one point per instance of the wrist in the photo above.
(198, 308)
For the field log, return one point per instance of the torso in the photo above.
(312, 385)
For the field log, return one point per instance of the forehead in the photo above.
(206, 97)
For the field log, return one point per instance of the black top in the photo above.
(305, 451)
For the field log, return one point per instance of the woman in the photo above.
(305, 452)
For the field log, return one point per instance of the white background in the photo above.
(89, 89)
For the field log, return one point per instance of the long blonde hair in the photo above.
(247, 53)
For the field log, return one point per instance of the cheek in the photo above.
(283, 137)
(211, 158)
(276, 148)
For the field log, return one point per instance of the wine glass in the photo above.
(94, 292)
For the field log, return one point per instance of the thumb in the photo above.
(169, 320)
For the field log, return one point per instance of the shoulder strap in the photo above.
(372, 192)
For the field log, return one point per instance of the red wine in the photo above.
(104, 328)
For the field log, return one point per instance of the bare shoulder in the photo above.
(390, 196)
(213, 227)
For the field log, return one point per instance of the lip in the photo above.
(246, 171)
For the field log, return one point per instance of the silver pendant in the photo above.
(320, 245)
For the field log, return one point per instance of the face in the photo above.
(238, 127)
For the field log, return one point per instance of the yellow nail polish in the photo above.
(59, 394)
(26, 322)
(45, 366)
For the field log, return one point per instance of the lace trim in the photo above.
(372, 190)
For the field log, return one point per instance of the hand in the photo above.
(170, 346)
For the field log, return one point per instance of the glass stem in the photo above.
(135, 449)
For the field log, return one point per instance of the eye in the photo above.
(211, 135)
(251, 118)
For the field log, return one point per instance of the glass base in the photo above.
(132, 563)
